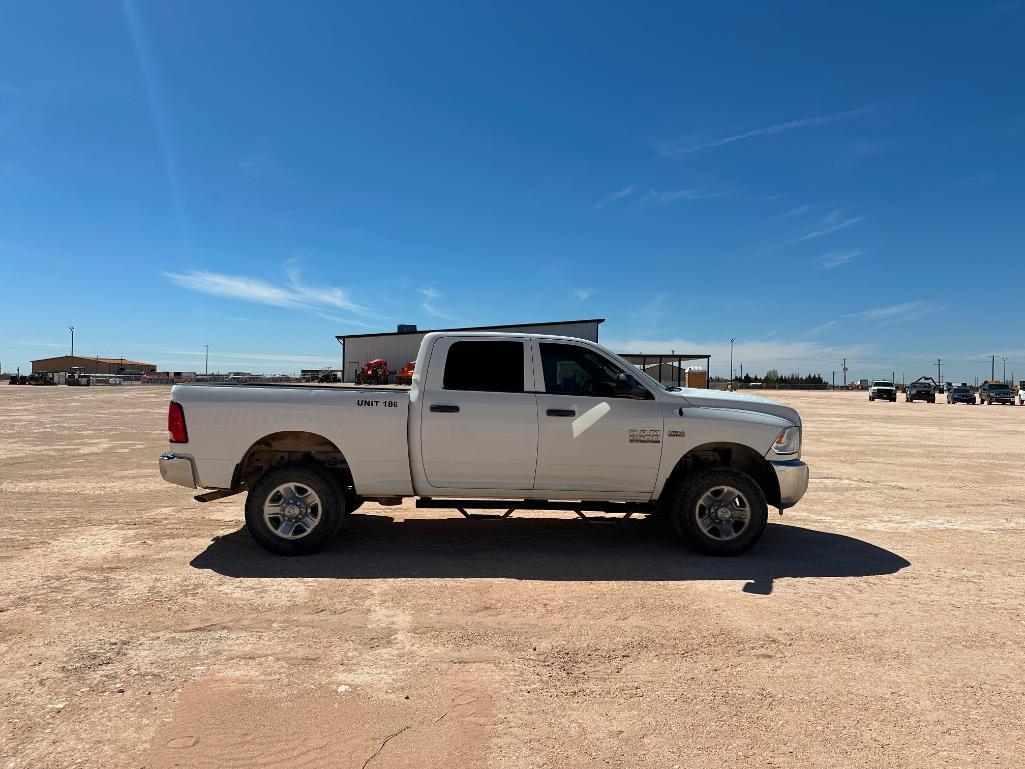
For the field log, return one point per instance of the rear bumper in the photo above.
(178, 470)
(793, 481)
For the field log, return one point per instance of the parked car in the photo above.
(920, 390)
(996, 392)
(1021, 393)
(549, 422)
(960, 395)
(882, 389)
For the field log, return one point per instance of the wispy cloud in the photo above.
(653, 197)
(837, 219)
(791, 213)
(771, 130)
(838, 258)
(583, 294)
(821, 328)
(349, 321)
(895, 313)
(158, 115)
(293, 292)
(431, 296)
(625, 192)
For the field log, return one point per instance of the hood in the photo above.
(721, 399)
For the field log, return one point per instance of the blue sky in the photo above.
(815, 180)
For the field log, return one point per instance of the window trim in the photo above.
(539, 365)
(527, 375)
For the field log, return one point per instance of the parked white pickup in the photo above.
(538, 421)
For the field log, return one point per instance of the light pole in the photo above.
(1005, 368)
(72, 330)
(206, 360)
(731, 357)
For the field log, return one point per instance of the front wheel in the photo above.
(719, 511)
(294, 509)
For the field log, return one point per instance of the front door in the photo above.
(479, 416)
(592, 439)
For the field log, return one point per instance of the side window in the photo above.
(484, 367)
(573, 370)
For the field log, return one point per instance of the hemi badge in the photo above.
(676, 434)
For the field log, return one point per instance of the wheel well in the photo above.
(732, 454)
(293, 446)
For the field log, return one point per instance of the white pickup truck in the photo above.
(510, 421)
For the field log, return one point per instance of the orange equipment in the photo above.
(405, 377)
(374, 372)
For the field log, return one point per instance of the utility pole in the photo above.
(206, 360)
(1005, 369)
(72, 330)
(845, 373)
(731, 357)
(992, 367)
(742, 369)
(939, 371)
(834, 380)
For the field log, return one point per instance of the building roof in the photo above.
(119, 361)
(471, 328)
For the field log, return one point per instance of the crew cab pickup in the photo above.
(514, 421)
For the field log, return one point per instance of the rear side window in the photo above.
(485, 367)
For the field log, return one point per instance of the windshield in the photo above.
(999, 387)
(882, 384)
(961, 391)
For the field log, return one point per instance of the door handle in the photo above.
(561, 413)
(441, 409)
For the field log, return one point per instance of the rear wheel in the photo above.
(294, 509)
(719, 511)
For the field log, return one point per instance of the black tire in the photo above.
(684, 511)
(329, 505)
(871, 398)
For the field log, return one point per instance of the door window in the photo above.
(573, 370)
(485, 366)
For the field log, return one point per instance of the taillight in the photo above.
(176, 432)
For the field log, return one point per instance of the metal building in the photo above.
(401, 346)
(91, 365)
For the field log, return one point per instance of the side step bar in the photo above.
(510, 505)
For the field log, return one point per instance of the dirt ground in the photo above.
(878, 624)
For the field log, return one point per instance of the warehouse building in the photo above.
(400, 347)
(94, 365)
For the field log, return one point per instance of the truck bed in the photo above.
(367, 424)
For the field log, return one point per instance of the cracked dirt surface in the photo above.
(878, 624)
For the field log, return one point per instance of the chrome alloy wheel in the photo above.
(723, 513)
(292, 510)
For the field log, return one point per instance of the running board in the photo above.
(627, 509)
(210, 496)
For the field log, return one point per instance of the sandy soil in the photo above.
(878, 624)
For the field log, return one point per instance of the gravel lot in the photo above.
(878, 624)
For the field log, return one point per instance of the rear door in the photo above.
(590, 438)
(479, 415)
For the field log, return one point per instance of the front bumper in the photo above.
(793, 481)
(179, 470)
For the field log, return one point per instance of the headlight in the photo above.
(788, 441)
